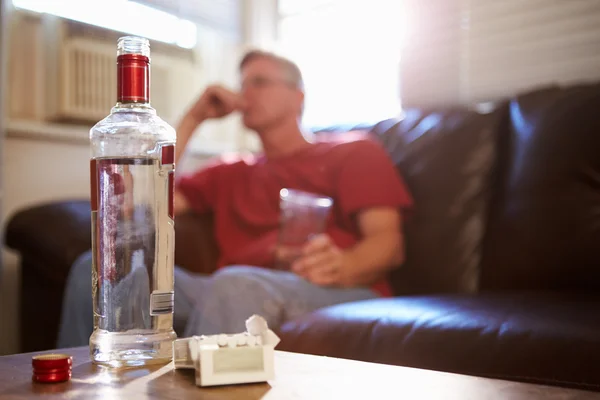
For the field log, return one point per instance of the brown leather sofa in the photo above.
(502, 277)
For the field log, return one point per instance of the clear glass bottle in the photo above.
(132, 174)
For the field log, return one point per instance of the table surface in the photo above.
(298, 376)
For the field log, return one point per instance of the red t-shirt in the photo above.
(243, 194)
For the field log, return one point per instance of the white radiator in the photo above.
(87, 79)
(65, 71)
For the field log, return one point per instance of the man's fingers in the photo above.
(223, 103)
(314, 261)
(218, 101)
(318, 243)
(228, 97)
(326, 274)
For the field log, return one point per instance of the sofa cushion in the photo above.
(446, 159)
(544, 227)
(536, 337)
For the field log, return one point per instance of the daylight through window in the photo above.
(120, 15)
(349, 53)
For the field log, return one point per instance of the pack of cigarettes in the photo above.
(227, 359)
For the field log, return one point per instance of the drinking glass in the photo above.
(302, 216)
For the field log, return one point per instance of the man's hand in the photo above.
(321, 263)
(367, 262)
(216, 102)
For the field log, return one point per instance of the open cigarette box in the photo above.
(226, 359)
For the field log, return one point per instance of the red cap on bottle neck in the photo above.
(133, 70)
(133, 78)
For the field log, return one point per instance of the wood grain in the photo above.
(298, 376)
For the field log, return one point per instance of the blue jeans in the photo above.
(210, 304)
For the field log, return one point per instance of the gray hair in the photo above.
(291, 69)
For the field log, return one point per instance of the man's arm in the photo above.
(185, 130)
(380, 250)
(215, 102)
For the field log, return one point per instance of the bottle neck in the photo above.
(133, 79)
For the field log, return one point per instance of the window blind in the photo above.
(516, 44)
(467, 51)
(431, 51)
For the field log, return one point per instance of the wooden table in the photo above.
(298, 376)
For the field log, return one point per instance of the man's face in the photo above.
(270, 99)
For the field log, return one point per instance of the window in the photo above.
(349, 54)
(120, 15)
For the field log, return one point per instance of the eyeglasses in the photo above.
(262, 82)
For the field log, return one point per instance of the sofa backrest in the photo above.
(447, 159)
(544, 227)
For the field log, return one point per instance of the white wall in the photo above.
(37, 171)
(34, 172)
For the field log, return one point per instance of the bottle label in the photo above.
(94, 184)
(167, 157)
(167, 154)
(162, 302)
(171, 194)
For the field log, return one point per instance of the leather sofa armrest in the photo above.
(54, 233)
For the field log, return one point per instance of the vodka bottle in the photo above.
(132, 168)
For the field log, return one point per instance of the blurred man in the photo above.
(363, 240)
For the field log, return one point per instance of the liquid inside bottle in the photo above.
(132, 279)
(132, 172)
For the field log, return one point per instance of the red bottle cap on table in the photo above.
(51, 367)
(60, 376)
